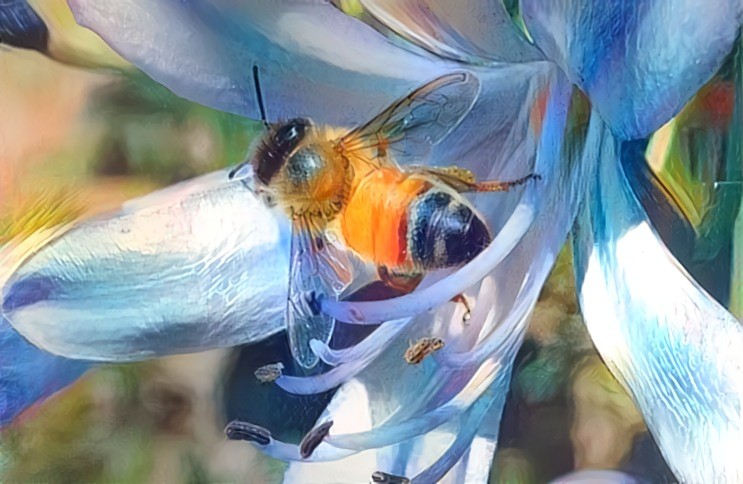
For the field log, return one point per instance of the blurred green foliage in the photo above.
(150, 131)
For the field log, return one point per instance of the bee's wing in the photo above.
(318, 268)
(415, 123)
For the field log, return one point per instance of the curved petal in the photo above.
(639, 62)
(313, 59)
(675, 348)
(199, 265)
(473, 31)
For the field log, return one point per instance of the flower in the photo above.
(203, 264)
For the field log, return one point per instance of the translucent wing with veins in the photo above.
(318, 268)
(412, 125)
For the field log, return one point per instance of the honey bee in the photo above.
(350, 192)
(423, 348)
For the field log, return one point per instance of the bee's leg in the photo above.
(460, 298)
(463, 180)
(503, 186)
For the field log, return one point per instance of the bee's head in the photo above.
(277, 146)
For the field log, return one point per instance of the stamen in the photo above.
(467, 432)
(393, 433)
(420, 301)
(374, 342)
(503, 334)
(359, 357)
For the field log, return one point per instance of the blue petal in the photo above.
(675, 348)
(639, 62)
(199, 265)
(20, 26)
(473, 31)
(314, 60)
(28, 374)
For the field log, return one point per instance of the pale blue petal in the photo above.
(199, 265)
(639, 62)
(473, 31)
(314, 60)
(677, 350)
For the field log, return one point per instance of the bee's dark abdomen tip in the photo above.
(444, 232)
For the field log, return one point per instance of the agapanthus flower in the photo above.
(204, 264)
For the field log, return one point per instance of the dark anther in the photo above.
(313, 439)
(240, 430)
(383, 477)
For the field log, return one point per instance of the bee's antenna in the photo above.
(262, 108)
(259, 96)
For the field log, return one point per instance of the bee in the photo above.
(314, 438)
(269, 373)
(353, 192)
(423, 348)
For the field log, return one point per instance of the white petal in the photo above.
(199, 265)
(676, 349)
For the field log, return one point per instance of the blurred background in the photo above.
(74, 142)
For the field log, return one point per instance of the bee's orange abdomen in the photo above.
(374, 221)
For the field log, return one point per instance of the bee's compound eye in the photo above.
(304, 165)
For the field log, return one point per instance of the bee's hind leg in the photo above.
(503, 186)
(464, 181)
